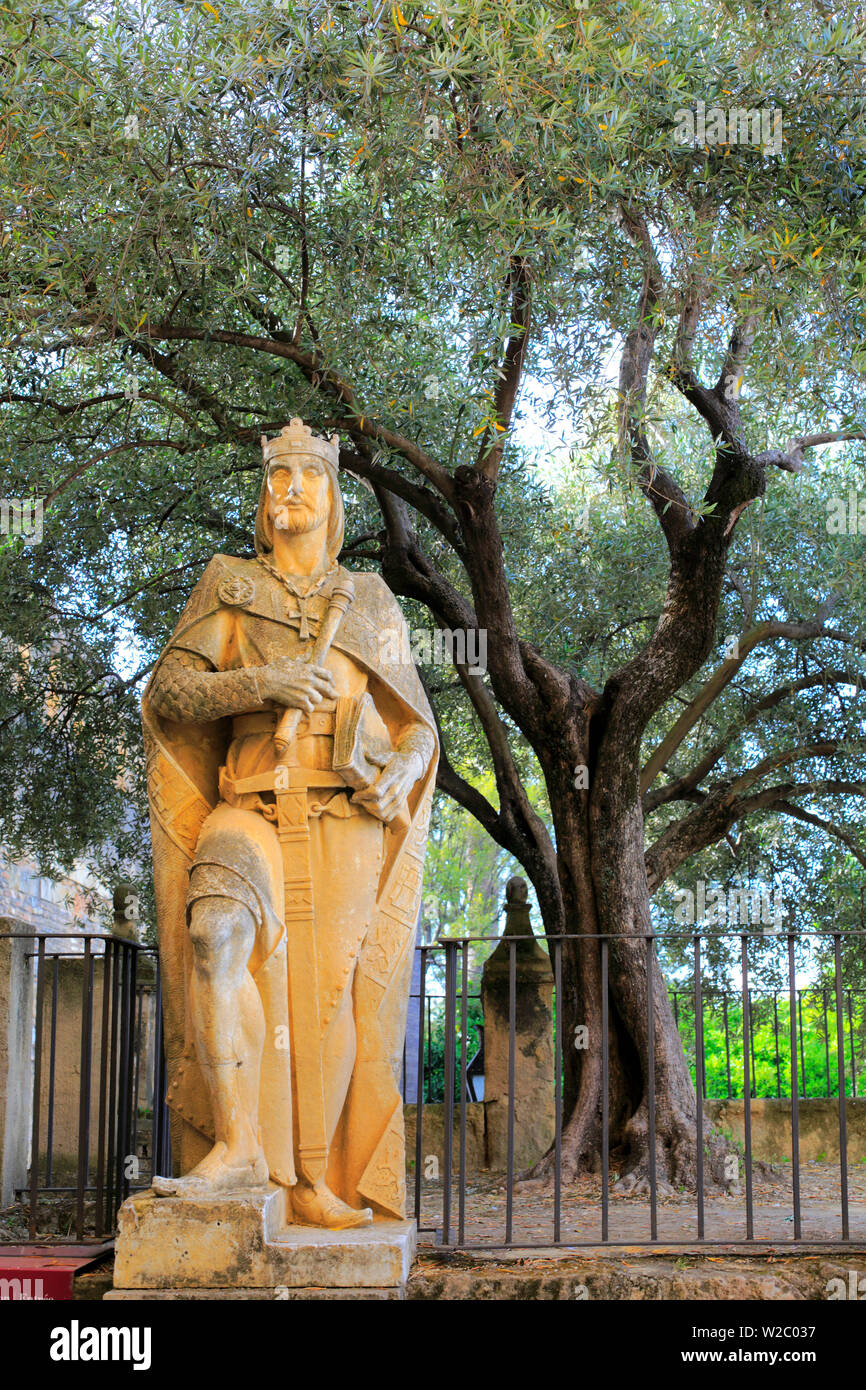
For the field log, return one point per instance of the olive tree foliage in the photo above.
(440, 230)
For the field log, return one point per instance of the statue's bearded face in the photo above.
(298, 493)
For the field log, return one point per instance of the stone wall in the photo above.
(71, 905)
(818, 1127)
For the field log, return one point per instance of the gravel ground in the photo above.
(725, 1214)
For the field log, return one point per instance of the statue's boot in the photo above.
(318, 1206)
(214, 1175)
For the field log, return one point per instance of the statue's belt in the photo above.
(319, 721)
(318, 724)
(278, 779)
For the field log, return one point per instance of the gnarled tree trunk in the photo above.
(604, 893)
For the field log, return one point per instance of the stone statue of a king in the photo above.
(291, 760)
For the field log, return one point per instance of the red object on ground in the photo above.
(43, 1272)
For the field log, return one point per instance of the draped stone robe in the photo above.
(366, 877)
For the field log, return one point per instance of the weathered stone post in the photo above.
(533, 1053)
(16, 1067)
(126, 912)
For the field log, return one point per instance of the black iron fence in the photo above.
(101, 1080)
(824, 1016)
(98, 1123)
(767, 1019)
(768, 1022)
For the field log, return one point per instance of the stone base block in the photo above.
(243, 1241)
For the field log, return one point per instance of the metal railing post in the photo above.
(419, 1095)
(449, 1067)
(747, 1089)
(840, 1069)
(699, 1081)
(795, 1097)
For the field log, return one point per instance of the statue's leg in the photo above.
(228, 1020)
(228, 1028)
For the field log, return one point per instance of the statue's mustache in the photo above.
(298, 517)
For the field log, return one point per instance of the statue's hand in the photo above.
(296, 684)
(394, 783)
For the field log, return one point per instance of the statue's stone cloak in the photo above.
(183, 762)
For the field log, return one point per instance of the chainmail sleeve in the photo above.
(188, 689)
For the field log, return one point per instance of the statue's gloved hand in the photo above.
(296, 684)
(394, 783)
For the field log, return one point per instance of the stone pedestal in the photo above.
(242, 1246)
(534, 1116)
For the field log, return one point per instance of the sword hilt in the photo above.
(341, 598)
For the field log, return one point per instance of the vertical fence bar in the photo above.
(114, 987)
(557, 1095)
(136, 1078)
(727, 1043)
(751, 1080)
(512, 1031)
(120, 1130)
(605, 1095)
(464, 1022)
(703, 1092)
(99, 1201)
(795, 1097)
(840, 1067)
(448, 1079)
(52, 1072)
(826, 1040)
(747, 1090)
(37, 1088)
(651, 1087)
(419, 1084)
(156, 1115)
(699, 1081)
(802, 1044)
(776, 1036)
(84, 1087)
(123, 1088)
(132, 1116)
(429, 1047)
(853, 1061)
(162, 1130)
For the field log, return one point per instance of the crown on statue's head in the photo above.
(298, 438)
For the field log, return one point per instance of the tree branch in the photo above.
(510, 372)
(791, 457)
(710, 691)
(718, 811)
(829, 826)
(665, 495)
(681, 787)
(315, 370)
